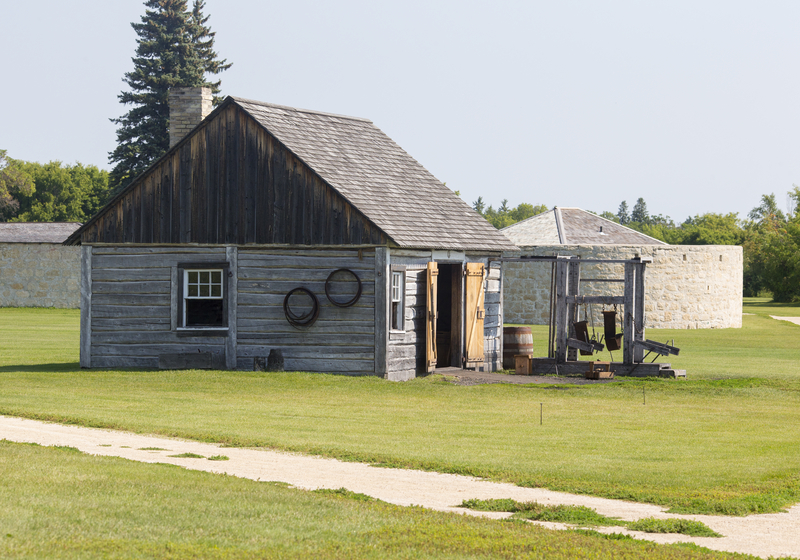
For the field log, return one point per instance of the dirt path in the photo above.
(760, 535)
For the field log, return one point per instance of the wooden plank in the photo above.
(562, 281)
(152, 287)
(475, 314)
(118, 362)
(175, 306)
(152, 337)
(604, 300)
(156, 261)
(149, 300)
(86, 307)
(233, 306)
(144, 312)
(638, 310)
(431, 308)
(130, 274)
(572, 309)
(310, 339)
(380, 305)
(628, 345)
(312, 280)
(657, 347)
(267, 325)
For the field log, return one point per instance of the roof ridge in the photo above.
(298, 110)
(559, 226)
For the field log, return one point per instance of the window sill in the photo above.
(202, 331)
(397, 335)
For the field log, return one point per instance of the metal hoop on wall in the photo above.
(306, 319)
(349, 302)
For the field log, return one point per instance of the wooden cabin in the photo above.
(273, 228)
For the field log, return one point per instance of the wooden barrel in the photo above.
(516, 340)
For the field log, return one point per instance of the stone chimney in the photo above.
(187, 107)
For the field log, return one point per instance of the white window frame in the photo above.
(186, 270)
(397, 298)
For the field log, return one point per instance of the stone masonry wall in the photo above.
(686, 286)
(39, 275)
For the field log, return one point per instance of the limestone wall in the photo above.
(39, 275)
(687, 286)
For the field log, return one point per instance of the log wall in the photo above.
(131, 312)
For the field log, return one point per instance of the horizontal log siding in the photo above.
(131, 294)
(406, 350)
(341, 341)
(232, 182)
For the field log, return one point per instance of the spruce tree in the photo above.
(174, 49)
(622, 213)
(639, 213)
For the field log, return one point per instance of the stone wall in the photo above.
(686, 286)
(39, 275)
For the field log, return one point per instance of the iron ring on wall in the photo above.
(306, 319)
(349, 302)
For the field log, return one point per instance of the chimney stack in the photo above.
(187, 107)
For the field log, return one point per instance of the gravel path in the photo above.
(795, 320)
(760, 535)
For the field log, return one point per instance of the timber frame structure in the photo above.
(566, 298)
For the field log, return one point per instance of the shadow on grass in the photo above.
(36, 368)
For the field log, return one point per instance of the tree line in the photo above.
(770, 238)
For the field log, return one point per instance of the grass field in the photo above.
(59, 503)
(725, 440)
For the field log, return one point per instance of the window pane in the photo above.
(216, 290)
(204, 277)
(203, 290)
(216, 277)
(192, 290)
(204, 313)
(193, 277)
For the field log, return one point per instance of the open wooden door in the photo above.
(430, 317)
(474, 314)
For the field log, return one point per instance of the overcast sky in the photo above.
(694, 106)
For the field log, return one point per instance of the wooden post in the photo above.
(628, 345)
(86, 306)
(638, 315)
(562, 280)
(232, 256)
(573, 290)
(381, 310)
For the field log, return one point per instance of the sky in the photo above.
(693, 106)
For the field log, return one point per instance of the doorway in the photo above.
(449, 315)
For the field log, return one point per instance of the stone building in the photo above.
(36, 270)
(687, 286)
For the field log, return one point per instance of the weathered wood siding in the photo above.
(132, 309)
(493, 323)
(406, 351)
(232, 183)
(343, 338)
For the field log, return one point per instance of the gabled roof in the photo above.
(370, 171)
(379, 178)
(36, 232)
(573, 226)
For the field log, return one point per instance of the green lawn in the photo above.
(59, 503)
(725, 440)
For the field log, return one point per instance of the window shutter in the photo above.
(475, 313)
(430, 317)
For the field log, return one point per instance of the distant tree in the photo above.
(767, 210)
(609, 216)
(622, 214)
(175, 48)
(14, 183)
(524, 211)
(479, 205)
(639, 213)
(62, 193)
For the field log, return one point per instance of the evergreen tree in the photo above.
(622, 213)
(175, 48)
(639, 213)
